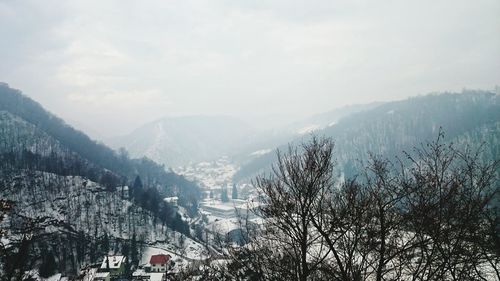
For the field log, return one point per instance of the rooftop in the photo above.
(159, 259)
(115, 262)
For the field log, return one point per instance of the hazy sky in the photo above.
(109, 66)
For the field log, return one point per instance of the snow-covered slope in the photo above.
(63, 201)
(17, 134)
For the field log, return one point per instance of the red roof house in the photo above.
(159, 263)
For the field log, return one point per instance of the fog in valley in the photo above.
(249, 140)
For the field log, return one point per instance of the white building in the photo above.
(160, 263)
(171, 200)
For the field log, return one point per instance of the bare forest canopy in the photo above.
(67, 199)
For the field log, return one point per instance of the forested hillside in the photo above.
(470, 117)
(66, 200)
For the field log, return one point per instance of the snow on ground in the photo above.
(194, 250)
(223, 206)
(55, 277)
(179, 262)
(141, 274)
(4, 241)
(78, 203)
(156, 276)
(182, 257)
(308, 129)
(89, 274)
(36, 276)
(223, 226)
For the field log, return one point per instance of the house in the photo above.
(160, 263)
(171, 200)
(114, 265)
(124, 191)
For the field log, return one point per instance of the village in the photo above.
(157, 264)
(114, 267)
(218, 216)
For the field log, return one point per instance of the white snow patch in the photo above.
(261, 152)
(308, 129)
(224, 226)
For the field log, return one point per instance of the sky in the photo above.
(108, 67)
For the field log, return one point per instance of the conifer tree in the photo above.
(134, 252)
(234, 194)
(224, 197)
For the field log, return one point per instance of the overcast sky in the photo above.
(110, 66)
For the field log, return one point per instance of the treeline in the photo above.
(29, 215)
(430, 217)
(57, 214)
(396, 126)
(150, 199)
(399, 126)
(66, 252)
(73, 223)
(153, 175)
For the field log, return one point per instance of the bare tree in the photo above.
(430, 217)
(290, 198)
(450, 210)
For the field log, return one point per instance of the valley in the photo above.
(233, 140)
(71, 204)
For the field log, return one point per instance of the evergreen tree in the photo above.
(125, 250)
(234, 194)
(107, 262)
(198, 232)
(48, 266)
(137, 188)
(105, 244)
(134, 251)
(224, 197)
(81, 246)
(138, 182)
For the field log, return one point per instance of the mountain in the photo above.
(263, 141)
(326, 119)
(67, 199)
(388, 129)
(180, 140)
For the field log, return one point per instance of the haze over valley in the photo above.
(249, 140)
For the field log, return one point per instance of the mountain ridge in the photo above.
(392, 127)
(175, 141)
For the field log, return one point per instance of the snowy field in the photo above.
(192, 251)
